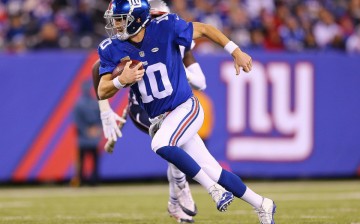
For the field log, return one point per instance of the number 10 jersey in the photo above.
(164, 85)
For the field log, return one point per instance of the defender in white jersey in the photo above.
(161, 88)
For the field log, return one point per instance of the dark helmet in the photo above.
(126, 17)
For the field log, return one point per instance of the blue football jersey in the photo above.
(164, 85)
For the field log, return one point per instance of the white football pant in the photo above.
(179, 128)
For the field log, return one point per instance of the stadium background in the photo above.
(298, 111)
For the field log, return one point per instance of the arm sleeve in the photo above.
(196, 76)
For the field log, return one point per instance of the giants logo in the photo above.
(135, 3)
(270, 112)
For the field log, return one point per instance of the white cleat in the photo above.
(186, 201)
(176, 212)
(222, 197)
(266, 211)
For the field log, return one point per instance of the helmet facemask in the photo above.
(125, 18)
(117, 25)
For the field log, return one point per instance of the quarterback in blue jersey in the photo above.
(181, 205)
(161, 88)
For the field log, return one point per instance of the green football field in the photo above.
(297, 202)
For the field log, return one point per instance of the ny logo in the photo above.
(270, 112)
(135, 3)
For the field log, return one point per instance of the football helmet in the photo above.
(158, 8)
(125, 18)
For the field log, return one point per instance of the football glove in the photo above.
(110, 127)
(109, 121)
(155, 125)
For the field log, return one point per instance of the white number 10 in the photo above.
(155, 92)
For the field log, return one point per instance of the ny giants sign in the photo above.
(270, 112)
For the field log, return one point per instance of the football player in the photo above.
(181, 205)
(162, 89)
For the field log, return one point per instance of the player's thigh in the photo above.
(180, 125)
(196, 148)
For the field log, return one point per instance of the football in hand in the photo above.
(120, 67)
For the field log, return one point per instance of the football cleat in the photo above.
(176, 212)
(186, 201)
(266, 211)
(222, 197)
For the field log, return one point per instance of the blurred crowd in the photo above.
(272, 25)
(48, 24)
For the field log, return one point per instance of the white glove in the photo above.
(155, 125)
(110, 127)
(109, 121)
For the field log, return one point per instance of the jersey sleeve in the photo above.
(106, 64)
(183, 31)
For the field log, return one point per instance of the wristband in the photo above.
(117, 83)
(230, 47)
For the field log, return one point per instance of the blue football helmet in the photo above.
(125, 18)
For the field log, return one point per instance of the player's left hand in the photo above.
(110, 127)
(243, 60)
(131, 73)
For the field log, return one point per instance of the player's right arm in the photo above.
(108, 86)
(108, 117)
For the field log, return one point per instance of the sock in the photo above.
(232, 183)
(172, 194)
(186, 164)
(204, 180)
(178, 177)
(180, 159)
(252, 198)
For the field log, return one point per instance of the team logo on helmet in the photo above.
(135, 3)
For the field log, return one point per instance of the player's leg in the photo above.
(174, 208)
(177, 128)
(180, 192)
(231, 182)
(177, 179)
